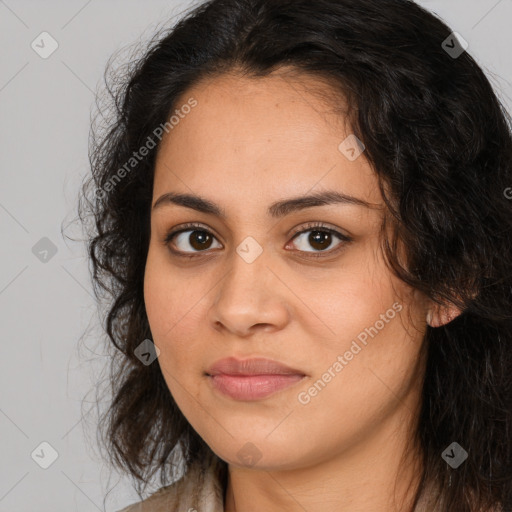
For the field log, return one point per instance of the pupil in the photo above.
(319, 237)
(202, 237)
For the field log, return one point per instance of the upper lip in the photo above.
(253, 366)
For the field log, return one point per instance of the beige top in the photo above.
(199, 490)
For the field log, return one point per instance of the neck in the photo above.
(381, 472)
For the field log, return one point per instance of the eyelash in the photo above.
(312, 226)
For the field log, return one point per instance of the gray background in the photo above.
(53, 350)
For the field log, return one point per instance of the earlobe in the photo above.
(438, 316)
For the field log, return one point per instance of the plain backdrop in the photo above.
(52, 345)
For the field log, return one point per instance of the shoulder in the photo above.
(160, 500)
(198, 490)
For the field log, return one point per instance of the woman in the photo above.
(302, 217)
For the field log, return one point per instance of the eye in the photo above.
(200, 239)
(320, 238)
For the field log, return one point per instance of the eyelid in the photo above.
(309, 226)
(191, 226)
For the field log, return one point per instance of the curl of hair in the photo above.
(440, 143)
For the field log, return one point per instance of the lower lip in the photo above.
(252, 387)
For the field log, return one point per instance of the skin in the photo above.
(249, 143)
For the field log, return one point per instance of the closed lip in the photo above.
(253, 366)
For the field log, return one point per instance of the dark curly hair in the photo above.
(439, 141)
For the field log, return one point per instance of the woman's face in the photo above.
(351, 331)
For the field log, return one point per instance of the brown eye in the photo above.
(191, 240)
(320, 240)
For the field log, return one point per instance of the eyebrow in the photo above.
(276, 210)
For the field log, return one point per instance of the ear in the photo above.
(441, 315)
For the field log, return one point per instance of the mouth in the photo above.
(252, 379)
(252, 387)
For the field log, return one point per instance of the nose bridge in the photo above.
(245, 296)
(248, 272)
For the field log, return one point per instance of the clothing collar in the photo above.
(200, 489)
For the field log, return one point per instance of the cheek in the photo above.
(171, 320)
(169, 298)
(176, 306)
(164, 310)
(347, 302)
(368, 352)
(356, 385)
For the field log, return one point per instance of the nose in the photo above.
(250, 297)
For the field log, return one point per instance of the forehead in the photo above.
(261, 137)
